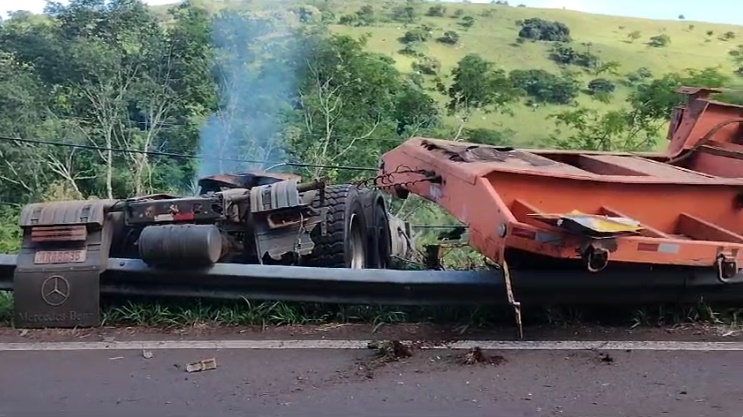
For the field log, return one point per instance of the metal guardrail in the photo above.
(261, 282)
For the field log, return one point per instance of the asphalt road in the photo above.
(352, 383)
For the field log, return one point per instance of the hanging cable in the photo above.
(184, 156)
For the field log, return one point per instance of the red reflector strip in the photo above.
(183, 216)
(59, 233)
(647, 247)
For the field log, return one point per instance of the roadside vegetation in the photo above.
(261, 314)
(113, 99)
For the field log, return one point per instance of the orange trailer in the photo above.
(680, 207)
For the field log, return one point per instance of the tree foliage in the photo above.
(546, 87)
(565, 54)
(449, 37)
(478, 85)
(235, 85)
(537, 29)
(659, 41)
(601, 85)
(436, 11)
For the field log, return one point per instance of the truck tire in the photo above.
(381, 237)
(345, 242)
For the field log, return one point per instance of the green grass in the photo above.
(172, 314)
(494, 34)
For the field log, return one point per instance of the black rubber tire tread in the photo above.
(369, 200)
(382, 231)
(330, 250)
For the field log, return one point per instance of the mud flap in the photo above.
(65, 249)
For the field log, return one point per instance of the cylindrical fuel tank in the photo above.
(186, 245)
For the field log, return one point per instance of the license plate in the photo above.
(60, 256)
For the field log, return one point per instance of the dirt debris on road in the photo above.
(391, 350)
(477, 356)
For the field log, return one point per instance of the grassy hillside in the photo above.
(494, 36)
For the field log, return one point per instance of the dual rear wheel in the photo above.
(357, 231)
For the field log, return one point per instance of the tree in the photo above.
(537, 29)
(414, 49)
(545, 87)
(129, 91)
(419, 34)
(601, 85)
(615, 130)
(350, 103)
(436, 11)
(609, 67)
(427, 66)
(366, 16)
(564, 54)
(659, 41)
(414, 111)
(656, 99)
(634, 35)
(405, 14)
(467, 22)
(450, 37)
(641, 74)
(478, 85)
(737, 55)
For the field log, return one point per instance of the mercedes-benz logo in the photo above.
(55, 290)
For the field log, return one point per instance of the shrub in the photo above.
(308, 14)
(640, 75)
(327, 16)
(659, 41)
(450, 37)
(436, 11)
(565, 55)
(348, 20)
(419, 34)
(467, 21)
(601, 85)
(537, 29)
(366, 16)
(544, 86)
(405, 14)
(427, 66)
(415, 49)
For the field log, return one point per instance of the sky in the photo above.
(716, 11)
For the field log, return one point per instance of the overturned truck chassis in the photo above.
(252, 218)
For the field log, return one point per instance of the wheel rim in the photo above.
(356, 244)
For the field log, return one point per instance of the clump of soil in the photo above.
(392, 350)
(606, 358)
(384, 353)
(477, 356)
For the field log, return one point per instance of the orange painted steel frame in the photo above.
(689, 199)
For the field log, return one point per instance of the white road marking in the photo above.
(363, 344)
